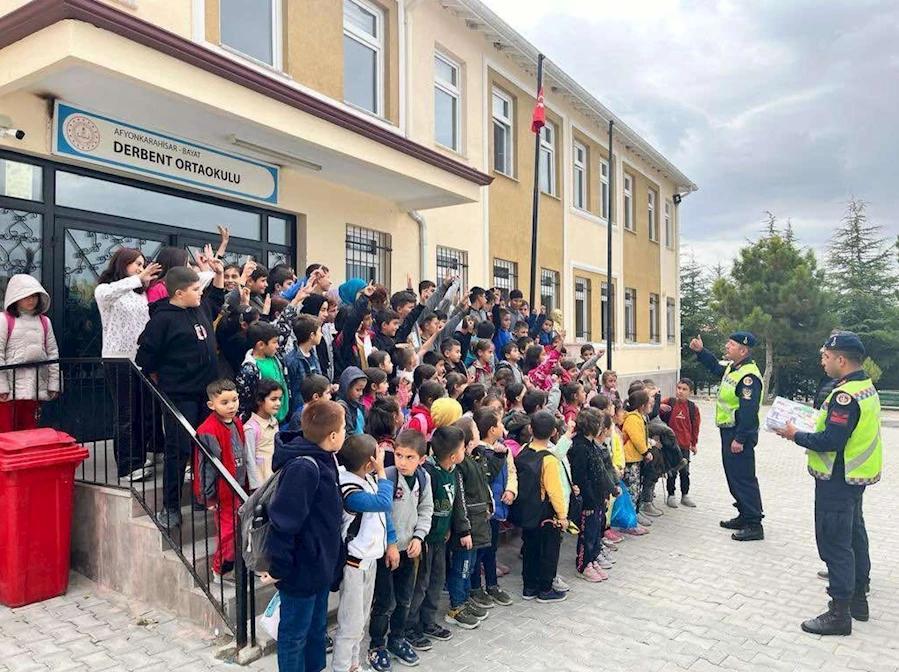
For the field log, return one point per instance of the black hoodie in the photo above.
(178, 345)
(306, 515)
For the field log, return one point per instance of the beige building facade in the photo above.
(379, 137)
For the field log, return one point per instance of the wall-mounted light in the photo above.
(284, 157)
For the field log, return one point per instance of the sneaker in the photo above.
(686, 501)
(138, 475)
(403, 652)
(529, 593)
(612, 536)
(608, 556)
(379, 659)
(438, 632)
(559, 585)
(638, 531)
(418, 641)
(329, 644)
(552, 596)
(502, 570)
(671, 501)
(478, 612)
(650, 509)
(461, 618)
(603, 563)
(500, 596)
(603, 576)
(589, 574)
(480, 597)
(643, 519)
(169, 519)
(609, 545)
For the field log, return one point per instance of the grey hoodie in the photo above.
(412, 509)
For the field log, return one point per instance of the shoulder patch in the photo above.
(843, 399)
(747, 392)
(747, 380)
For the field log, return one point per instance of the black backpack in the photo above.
(529, 510)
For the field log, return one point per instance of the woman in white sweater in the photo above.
(124, 311)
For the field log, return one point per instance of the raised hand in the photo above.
(696, 344)
(149, 273)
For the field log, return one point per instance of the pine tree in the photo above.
(696, 317)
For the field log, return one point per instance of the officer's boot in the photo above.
(858, 606)
(835, 621)
(733, 524)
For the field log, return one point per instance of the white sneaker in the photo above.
(671, 501)
(643, 519)
(686, 501)
(560, 585)
(139, 474)
(608, 556)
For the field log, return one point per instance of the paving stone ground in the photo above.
(685, 597)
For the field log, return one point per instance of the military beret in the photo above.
(845, 341)
(744, 338)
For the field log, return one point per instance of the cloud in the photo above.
(766, 105)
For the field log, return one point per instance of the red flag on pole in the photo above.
(539, 120)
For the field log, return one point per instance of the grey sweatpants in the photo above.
(356, 593)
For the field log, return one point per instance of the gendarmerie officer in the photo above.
(845, 455)
(737, 417)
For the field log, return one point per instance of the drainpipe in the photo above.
(422, 242)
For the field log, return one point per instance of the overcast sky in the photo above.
(781, 105)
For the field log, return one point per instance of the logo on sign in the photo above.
(82, 133)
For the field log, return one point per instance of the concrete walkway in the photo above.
(685, 597)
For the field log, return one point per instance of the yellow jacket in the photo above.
(551, 484)
(636, 437)
(618, 460)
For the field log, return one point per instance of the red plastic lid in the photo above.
(12, 443)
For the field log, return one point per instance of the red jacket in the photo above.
(216, 436)
(684, 419)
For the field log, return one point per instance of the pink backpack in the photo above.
(11, 324)
(422, 420)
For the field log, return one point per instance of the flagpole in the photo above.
(536, 202)
(609, 305)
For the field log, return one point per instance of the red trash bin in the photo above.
(37, 472)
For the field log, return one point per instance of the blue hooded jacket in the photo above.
(355, 411)
(306, 515)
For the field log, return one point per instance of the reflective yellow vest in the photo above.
(863, 455)
(728, 401)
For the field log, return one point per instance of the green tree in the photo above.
(775, 289)
(862, 277)
(696, 317)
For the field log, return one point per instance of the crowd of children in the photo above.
(411, 431)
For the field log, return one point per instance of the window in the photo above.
(671, 320)
(450, 260)
(606, 308)
(447, 94)
(604, 204)
(651, 215)
(502, 133)
(628, 202)
(549, 290)
(630, 315)
(580, 176)
(252, 28)
(367, 254)
(582, 312)
(668, 239)
(21, 239)
(548, 159)
(505, 276)
(363, 55)
(654, 318)
(21, 180)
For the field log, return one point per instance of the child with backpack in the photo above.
(304, 540)
(420, 414)
(367, 532)
(636, 449)
(383, 422)
(448, 448)
(223, 434)
(262, 361)
(413, 508)
(260, 431)
(352, 387)
(26, 335)
(541, 511)
(684, 418)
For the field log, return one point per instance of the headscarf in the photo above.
(445, 411)
(348, 290)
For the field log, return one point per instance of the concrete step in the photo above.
(195, 526)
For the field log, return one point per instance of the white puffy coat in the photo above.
(27, 344)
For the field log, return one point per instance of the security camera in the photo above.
(7, 130)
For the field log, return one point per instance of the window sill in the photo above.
(586, 214)
(655, 242)
(552, 196)
(271, 67)
(500, 173)
(630, 345)
(633, 231)
(449, 150)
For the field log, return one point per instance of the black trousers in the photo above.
(393, 596)
(843, 541)
(429, 584)
(739, 468)
(179, 448)
(684, 476)
(133, 429)
(541, 547)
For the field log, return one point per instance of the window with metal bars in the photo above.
(549, 290)
(654, 318)
(671, 319)
(452, 261)
(605, 309)
(630, 314)
(505, 276)
(368, 254)
(582, 308)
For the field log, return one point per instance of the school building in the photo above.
(378, 137)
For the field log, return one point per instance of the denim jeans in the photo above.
(486, 558)
(392, 597)
(458, 578)
(302, 632)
